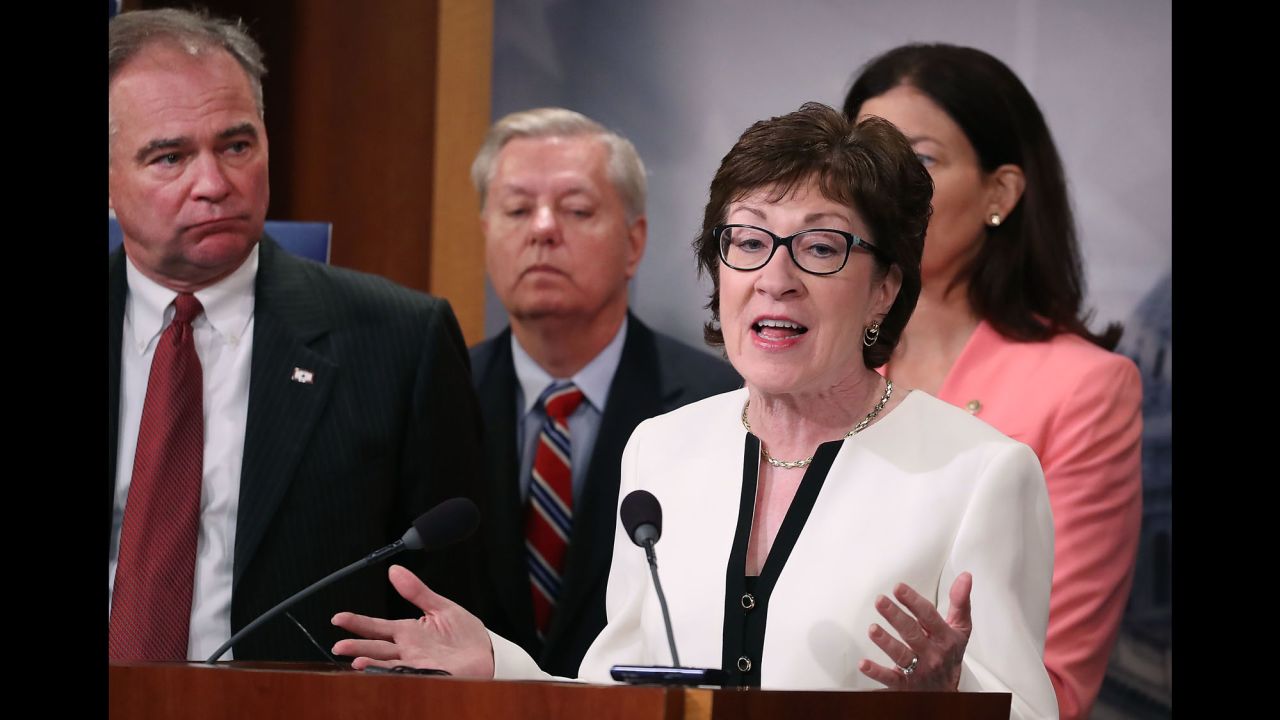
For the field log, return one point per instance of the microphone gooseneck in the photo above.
(641, 516)
(451, 521)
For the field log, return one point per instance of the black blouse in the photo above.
(746, 602)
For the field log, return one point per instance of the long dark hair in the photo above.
(1026, 279)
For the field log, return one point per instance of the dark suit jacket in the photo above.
(336, 469)
(656, 374)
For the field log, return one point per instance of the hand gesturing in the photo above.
(446, 637)
(931, 650)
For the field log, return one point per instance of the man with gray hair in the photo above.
(272, 418)
(561, 389)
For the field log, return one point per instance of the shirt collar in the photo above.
(228, 303)
(593, 379)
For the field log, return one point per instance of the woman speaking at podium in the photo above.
(823, 528)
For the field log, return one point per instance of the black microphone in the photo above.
(449, 522)
(642, 517)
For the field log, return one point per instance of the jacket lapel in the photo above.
(117, 287)
(635, 394)
(496, 385)
(289, 333)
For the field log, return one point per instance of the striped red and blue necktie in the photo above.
(549, 523)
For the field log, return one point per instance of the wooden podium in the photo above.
(247, 691)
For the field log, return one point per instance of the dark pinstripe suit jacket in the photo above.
(656, 374)
(336, 469)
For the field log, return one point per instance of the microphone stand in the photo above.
(335, 576)
(662, 599)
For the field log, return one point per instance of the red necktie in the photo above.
(155, 570)
(550, 519)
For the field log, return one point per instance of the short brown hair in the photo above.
(193, 31)
(869, 167)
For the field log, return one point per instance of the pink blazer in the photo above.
(1079, 407)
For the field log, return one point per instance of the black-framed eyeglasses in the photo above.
(819, 251)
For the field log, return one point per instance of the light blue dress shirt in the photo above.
(584, 424)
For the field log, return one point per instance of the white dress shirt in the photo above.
(584, 424)
(224, 343)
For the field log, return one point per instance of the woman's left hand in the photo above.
(934, 648)
(446, 637)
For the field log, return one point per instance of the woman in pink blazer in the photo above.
(999, 329)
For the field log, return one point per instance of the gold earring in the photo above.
(871, 333)
(994, 220)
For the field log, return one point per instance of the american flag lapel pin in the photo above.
(306, 377)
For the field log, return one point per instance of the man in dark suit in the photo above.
(563, 217)
(271, 419)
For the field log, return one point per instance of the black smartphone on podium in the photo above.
(666, 675)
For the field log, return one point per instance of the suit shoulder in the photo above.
(699, 371)
(1035, 381)
(1074, 351)
(362, 297)
(486, 351)
(942, 423)
(487, 347)
(927, 429)
(695, 422)
(1066, 358)
(1082, 375)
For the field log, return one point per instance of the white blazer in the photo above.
(922, 495)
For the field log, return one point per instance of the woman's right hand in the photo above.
(446, 637)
